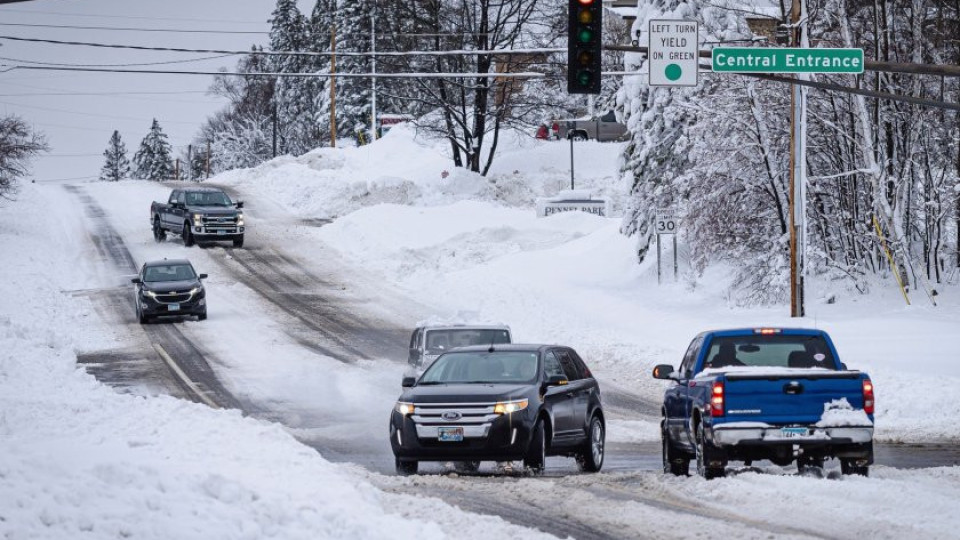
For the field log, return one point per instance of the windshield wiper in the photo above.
(429, 383)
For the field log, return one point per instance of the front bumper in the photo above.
(505, 439)
(194, 306)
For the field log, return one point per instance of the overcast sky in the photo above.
(79, 111)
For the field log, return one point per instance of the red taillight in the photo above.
(868, 402)
(716, 399)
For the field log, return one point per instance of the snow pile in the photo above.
(404, 168)
(78, 459)
(839, 413)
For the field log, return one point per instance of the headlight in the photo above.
(151, 294)
(240, 220)
(507, 407)
(195, 290)
(197, 219)
(404, 408)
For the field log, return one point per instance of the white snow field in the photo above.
(81, 460)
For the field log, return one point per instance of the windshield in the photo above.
(483, 368)
(208, 198)
(440, 341)
(770, 351)
(168, 272)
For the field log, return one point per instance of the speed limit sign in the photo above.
(666, 223)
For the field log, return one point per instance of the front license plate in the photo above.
(789, 432)
(221, 232)
(173, 307)
(450, 434)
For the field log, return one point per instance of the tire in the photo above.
(707, 453)
(202, 316)
(466, 466)
(140, 316)
(406, 468)
(159, 235)
(187, 235)
(536, 457)
(849, 466)
(810, 465)
(590, 458)
(578, 136)
(238, 242)
(674, 461)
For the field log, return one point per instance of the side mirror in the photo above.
(239, 204)
(136, 280)
(556, 380)
(202, 276)
(407, 382)
(663, 371)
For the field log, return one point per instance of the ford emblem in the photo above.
(450, 416)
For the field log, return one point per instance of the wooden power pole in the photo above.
(797, 157)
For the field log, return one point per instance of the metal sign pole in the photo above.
(658, 259)
(675, 257)
(571, 161)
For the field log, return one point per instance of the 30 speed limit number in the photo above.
(666, 223)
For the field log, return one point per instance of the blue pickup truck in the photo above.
(765, 393)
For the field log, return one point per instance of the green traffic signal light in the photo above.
(584, 77)
(585, 35)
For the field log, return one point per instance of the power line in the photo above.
(33, 12)
(290, 53)
(519, 75)
(45, 94)
(166, 62)
(132, 29)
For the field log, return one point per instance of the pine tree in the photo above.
(354, 94)
(294, 97)
(117, 166)
(153, 160)
(320, 29)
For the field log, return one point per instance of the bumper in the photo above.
(153, 308)
(773, 436)
(505, 439)
(218, 233)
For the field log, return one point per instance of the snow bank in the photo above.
(78, 459)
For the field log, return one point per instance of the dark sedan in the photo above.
(169, 288)
(500, 403)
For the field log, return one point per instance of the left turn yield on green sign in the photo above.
(673, 50)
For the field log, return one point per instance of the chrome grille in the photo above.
(174, 297)
(475, 418)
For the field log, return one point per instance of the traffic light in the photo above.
(584, 46)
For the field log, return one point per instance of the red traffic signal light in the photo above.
(584, 46)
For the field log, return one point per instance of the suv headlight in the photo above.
(150, 294)
(507, 407)
(404, 408)
(240, 220)
(195, 291)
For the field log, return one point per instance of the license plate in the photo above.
(450, 434)
(790, 432)
(221, 232)
(173, 307)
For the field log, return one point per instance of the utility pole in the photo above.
(373, 80)
(797, 176)
(208, 159)
(274, 128)
(333, 85)
(190, 161)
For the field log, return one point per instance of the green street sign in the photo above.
(786, 60)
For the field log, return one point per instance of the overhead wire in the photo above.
(166, 62)
(133, 29)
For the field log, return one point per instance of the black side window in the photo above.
(173, 197)
(551, 366)
(181, 197)
(581, 366)
(690, 357)
(609, 117)
(413, 338)
(570, 367)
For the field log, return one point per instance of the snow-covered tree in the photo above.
(353, 22)
(18, 145)
(153, 159)
(294, 97)
(116, 166)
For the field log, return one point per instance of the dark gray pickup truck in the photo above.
(198, 214)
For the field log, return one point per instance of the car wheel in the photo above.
(406, 468)
(849, 466)
(536, 456)
(707, 454)
(238, 242)
(187, 235)
(579, 136)
(591, 458)
(674, 462)
(159, 234)
(202, 316)
(810, 465)
(140, 316)
(466, 466)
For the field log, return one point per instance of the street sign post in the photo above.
(666, 222)
(786, 60)
(674, 49)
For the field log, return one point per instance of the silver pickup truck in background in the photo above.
(602, 128)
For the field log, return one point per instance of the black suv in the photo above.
(169, 288)
(503, 403)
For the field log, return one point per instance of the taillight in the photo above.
(716, 399)
(868, 402)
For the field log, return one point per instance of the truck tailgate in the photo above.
(788, 398)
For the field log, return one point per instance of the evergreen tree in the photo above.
(354, 94)
(153, 160)
(320, 30)
(294, 97)
(117, 166)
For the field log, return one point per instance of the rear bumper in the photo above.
(772, 436)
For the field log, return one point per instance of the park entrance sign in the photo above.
(786, 60)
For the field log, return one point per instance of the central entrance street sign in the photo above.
(786, 60)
